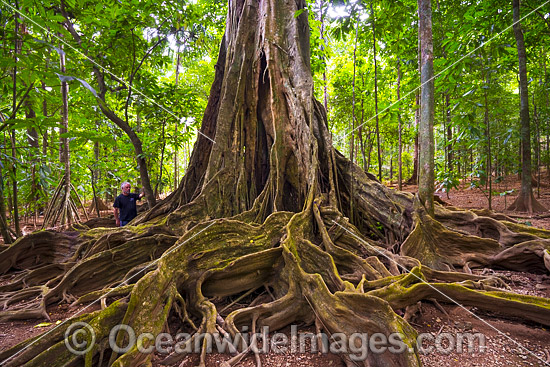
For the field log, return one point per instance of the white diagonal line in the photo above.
(105, 295)
(151, 100)
(444, 70)
(440, 292)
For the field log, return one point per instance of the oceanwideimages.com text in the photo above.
(80, 338)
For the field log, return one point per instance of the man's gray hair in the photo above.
(124, 184)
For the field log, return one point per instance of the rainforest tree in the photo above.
(526, 200)
(265, 203)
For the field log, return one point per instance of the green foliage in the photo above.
(139, 43)
(445, 181)
(475, 60)
(128, 42)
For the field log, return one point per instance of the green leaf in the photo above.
(298, 12)
(6, 62)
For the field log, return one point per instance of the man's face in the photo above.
(126, 189)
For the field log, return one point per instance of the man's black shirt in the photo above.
(126, 206)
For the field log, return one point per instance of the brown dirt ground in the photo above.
(508, 342)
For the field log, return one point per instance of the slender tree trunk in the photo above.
(17, 51)
(362, 147)
(66, 217)
(34, 151)
(537, 143)
(547, 120)
(471, 155)
(4, 227)
(121, 123)
(400, 130)
(323, 40)
(449, 146)
(96, 157)
(391, 166)
(413, 180)
(352, 123)
(445, 152)
(138, 149)
(361, 140)
(352, 137)
(379, 148)
(96, 173)
(426, 140)
(371, 144)
(176, 158)
(488, 134)
(45, 132)
(525, 200)
(4, 224)
(159, 177)
(96, 199)
(460, 165)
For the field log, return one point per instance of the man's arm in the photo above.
(117, 218)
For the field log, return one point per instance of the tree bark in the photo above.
(413, 180)
(176, 157)
(138, 149)
(488, 135)
(378, 147)
(34, 151)
(449, 147)
(159, 177)
(16, 52)
(526, 200)
(547, 99)
(426, 138)
(66, 217)
(400, 129)
(4, 226)
(322, 36)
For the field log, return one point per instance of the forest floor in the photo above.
(500, 342)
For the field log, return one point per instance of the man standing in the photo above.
(125, 205)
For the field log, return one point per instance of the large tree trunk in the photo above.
(266, 206)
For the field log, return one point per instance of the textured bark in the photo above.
(65, 154)
(16, 51)
(526, 200)
(378, 147)
(426, 174)
(400, 130)
(267, 207)
(449, 132)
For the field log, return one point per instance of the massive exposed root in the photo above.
(320, 269)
